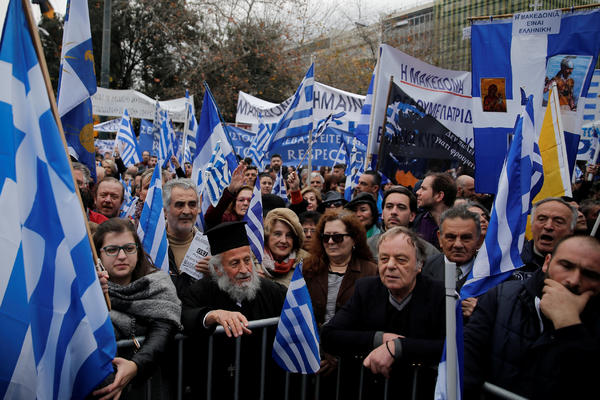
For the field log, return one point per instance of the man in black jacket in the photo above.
(540, 338)
(396, 319)
(230, 296)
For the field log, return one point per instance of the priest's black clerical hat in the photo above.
(227, 236)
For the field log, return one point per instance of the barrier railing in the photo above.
(263, 324)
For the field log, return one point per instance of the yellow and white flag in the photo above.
(557, 180)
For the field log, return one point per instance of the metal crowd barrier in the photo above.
(263, 324)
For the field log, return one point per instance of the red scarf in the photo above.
(284, 266)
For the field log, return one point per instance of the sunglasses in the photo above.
(334, 204)
(129, 248)
(336, 237)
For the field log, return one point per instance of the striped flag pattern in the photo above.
(259, 145)
(298, 117)
(126, 143)
(296, 345)
(56, 336)
(520, 181)
(254, 223)
(191, 125)
(341, 156)
(217, 175)
(279, 187)
(167, 137)
(152, 229)
(353, 172)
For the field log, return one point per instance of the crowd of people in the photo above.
(374, 267)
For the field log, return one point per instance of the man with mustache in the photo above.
(460, 237)
(180, 201)
(551, 220)
(540, 338)
(230, 296)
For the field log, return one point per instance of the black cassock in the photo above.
(204, 296)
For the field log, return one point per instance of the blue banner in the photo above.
(145, 138)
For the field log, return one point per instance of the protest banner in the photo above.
(441, 93)
(506, 62)
(414, 142)
(326, 100)
(111, 103)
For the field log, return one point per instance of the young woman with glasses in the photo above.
(144, 303)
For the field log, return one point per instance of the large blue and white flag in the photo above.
(77, 83)
(217, 175)
(519, 59)
(211, 130)
(520, 180)
(298, 117)
(279, 187)
(126, 143)
(152, 229)
(353, 172)
(296, 345)
(56, 336)
(254, 223)
(362, 127)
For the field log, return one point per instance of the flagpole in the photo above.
(370, 140)
(387, 104)
(42, 60)
(310, 134)
(451, 352)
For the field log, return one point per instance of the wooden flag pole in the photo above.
(42, 60)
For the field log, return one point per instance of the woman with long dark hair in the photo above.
(144, 303)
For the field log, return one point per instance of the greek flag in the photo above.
(128, 147)
(258, 147)
(152, 229)
(297, 120)
(217, 175)
(324, 123)
(211, 130)
(362, 128)
(341, 156)
(166, 140)
(520, 180)
(353, 172)
(191, 125)
(77, 83)
(56, 336)
(296, 345)
(279, 187)
(254, 223)
(128, 207)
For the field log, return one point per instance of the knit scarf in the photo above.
(135, 305)
(276, 267)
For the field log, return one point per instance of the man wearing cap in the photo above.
(230, 296)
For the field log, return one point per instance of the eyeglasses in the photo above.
(334, 204)
(129, 248)
(309, 230)
(336, 237)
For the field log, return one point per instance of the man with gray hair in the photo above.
(317, 181)
(396, 319)
(551, 220)
(180, 201)
(459, 237)
(230, 296)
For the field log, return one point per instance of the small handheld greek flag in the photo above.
(296, 345)
(217, 175)
(126, 143)
(279, 187)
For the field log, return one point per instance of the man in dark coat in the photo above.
(459, 237)
(540, 338)
(230, 296)
(395, 320)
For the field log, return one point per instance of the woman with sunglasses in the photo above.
(339, 256)
(144, 303)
